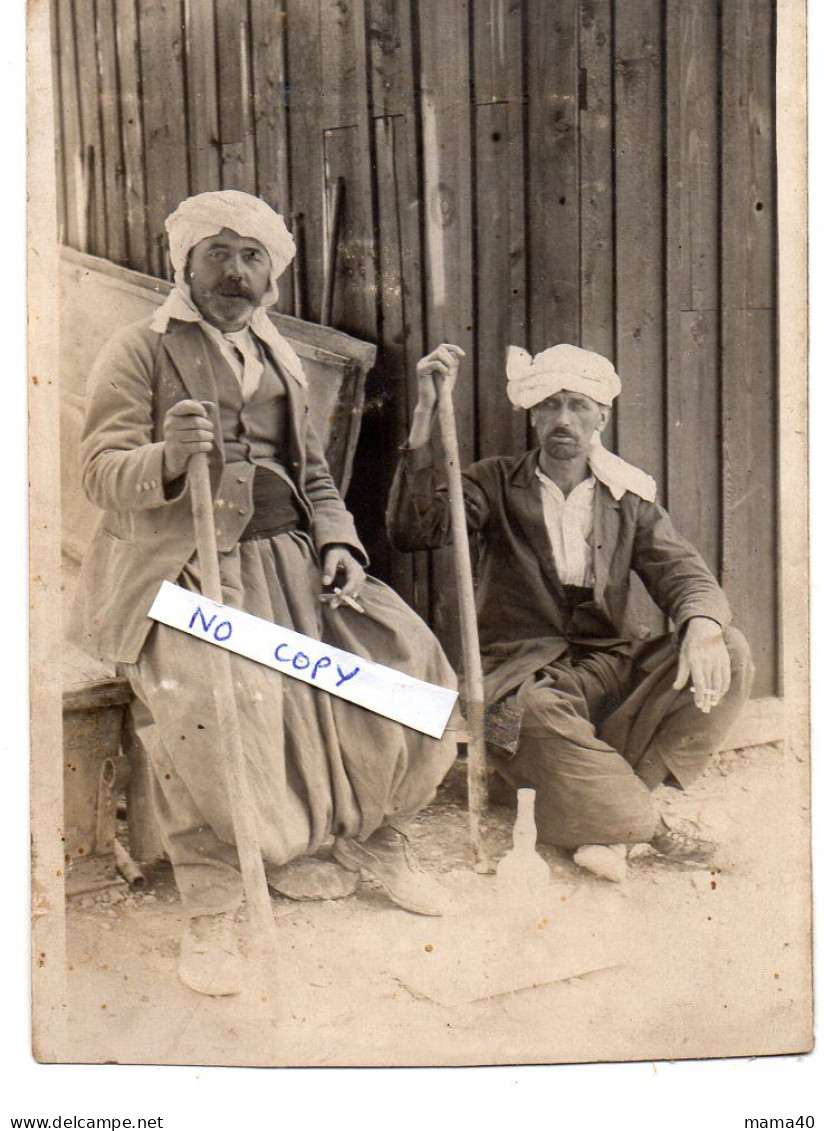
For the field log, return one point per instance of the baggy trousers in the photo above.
(601, 730)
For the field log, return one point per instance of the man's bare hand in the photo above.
(341, 567)
(186, 430)
(443, 363)
(705, 662)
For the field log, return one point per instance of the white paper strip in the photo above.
(423, 706)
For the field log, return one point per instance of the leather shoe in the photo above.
(386, 858)
(681, 847)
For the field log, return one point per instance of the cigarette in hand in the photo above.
(337, 598)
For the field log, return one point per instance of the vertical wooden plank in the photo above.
(501, 286)
(447, 179)
(501, 273)
(693, 431)
(59, 142)
(87, 77)
(164, 97)
(113, 168)
(748, 326)
(639, 219)
(70, 127)
(270, 124)
(597, 187)
(237, 146)
(399, 256)
(397, 357)
(347, 154)
(497, 55)
(306, 142)
(447, 175)
(201, 95)
(552, 87)
(131, 120)
(596, 184)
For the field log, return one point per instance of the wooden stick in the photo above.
(331, 257)
(473, 672)
(240, 800)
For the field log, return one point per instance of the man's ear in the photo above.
(603, 419)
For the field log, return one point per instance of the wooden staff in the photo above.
(240, 799)
(470, 644)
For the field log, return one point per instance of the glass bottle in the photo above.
(522, 875)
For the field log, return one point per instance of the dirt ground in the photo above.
(672, 963)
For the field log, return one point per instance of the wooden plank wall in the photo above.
(515, 171)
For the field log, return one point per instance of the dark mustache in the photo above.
(234, 290)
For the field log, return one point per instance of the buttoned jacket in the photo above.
(146, 533)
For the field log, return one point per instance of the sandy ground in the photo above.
(672, 963)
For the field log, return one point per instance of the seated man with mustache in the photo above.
(209, 372)
(605, 713)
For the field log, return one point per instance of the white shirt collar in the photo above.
(581, 492)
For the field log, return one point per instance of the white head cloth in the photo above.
(531, 380)
(207, 214)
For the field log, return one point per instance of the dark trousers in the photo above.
(601, 730)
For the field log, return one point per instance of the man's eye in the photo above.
(254, 255)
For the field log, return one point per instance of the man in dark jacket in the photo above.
(606, 711)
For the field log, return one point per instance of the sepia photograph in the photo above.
(419, 553)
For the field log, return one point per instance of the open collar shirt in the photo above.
(569, 522)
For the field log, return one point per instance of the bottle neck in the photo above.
(525, 833)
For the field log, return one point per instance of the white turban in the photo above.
(531, 380)
(208, 213)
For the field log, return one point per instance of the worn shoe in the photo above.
(682, 847)
(210, 962)
(608, 861)
(386, 858)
